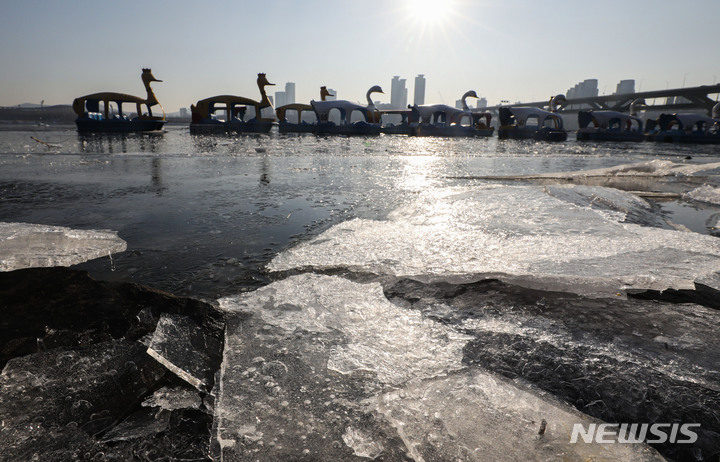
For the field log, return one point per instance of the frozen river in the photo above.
(399, 298)
(202, 216)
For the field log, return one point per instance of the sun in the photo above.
(429, 12)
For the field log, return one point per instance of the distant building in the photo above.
(280, 99)
(332, 96)
(289, 92)
(625, 87)
(586, 89)
(482, 103)
(398, 93)
(419, 97)
(184, 112)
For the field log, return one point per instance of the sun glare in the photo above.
(429, 11)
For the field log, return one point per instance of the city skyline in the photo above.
(517, 51)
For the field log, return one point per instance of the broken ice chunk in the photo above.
(24, 245)
(186, 350)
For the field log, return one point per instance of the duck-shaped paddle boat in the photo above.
(285, 126)
(226, 113)
(104, 112)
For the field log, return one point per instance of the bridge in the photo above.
(672, 100)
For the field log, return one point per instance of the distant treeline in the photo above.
(61, 113)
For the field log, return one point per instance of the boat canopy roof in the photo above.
(452, 113)
(299, 107)
(604, 117)
(323, 108)
(522, 114)
(227, 99)
(114, 97)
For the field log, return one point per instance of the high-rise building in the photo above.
(289, 92)
(280, 99)
(482, 103)
(588, 88)
(398, 93)
(625, 86)
(419, 90)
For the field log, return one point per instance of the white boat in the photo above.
(609, 126)
(354, 119)
(532, 122)
(685, 128)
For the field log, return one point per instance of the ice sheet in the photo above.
(574, 238)
(402, 393)
(654, 168)
(25, 245)
(476, 416)
(394, 344)
(704, 193)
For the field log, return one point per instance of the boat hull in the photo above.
(87, 125)
(284, 127)
(451, 132)
(209, 128)
(358, 128)
(397, 130)
(605, 135)
(673, 137)
(517, 133)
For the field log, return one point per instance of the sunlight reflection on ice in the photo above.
(521, 234)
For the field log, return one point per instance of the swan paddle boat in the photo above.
(532, 122)
(685, 128)
(226, 113)
(355, 119)
(447, 121)
(611, 125)
(104, 112)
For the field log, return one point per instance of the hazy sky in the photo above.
(524, 50)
